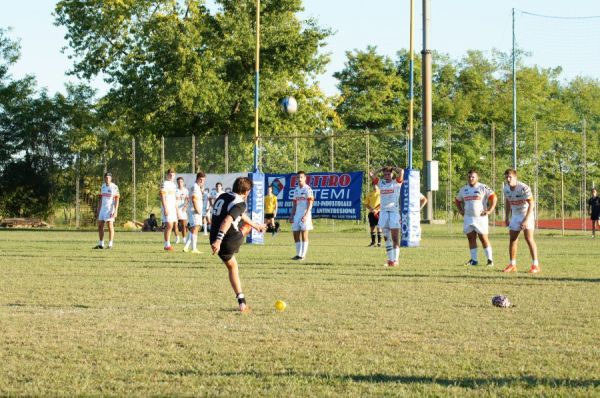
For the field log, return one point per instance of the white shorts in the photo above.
(172, 215)
(105, 216)
(477, 224)
(389, 219)
(516, 220)
(298, 225)
(195, 220)
(182, 214)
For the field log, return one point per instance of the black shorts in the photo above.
(230, 246)
(595, 215)
(269, 216)
(373, 219)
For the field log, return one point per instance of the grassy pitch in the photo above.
(136, 321)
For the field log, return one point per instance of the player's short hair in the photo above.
(179, 178)
(512, 172)
(473, 171)
(594, 189)
(241, 185)
(388, 169)
(217, 184)
(300, 172)
(108, 174)
(170, 170)
(200, 174)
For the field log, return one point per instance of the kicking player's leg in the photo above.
(512, 251)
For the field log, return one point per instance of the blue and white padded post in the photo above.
(410, 208)
(256, 206)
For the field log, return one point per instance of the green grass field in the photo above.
(136, 321)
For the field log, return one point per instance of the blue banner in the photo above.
(337, 195)
(411, 210)
(256, 202)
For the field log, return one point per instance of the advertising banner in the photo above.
(337, 195)
(410, 209)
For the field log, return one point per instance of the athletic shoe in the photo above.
(472, 262)
(186, 249)
(535, 269)
(196, 251)
(510, 268)
(371, 244)
(391, 263)
(379, 245)
(490, 263)
(296, 258)
(109, 247)
(169, 248)
(98, 247)
(244, 308)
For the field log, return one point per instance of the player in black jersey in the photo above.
(228, 213)
(594, 210)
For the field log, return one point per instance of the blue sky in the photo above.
(456, 26)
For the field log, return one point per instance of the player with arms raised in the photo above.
(389, 215)
(519, 204)
(225, 235)
(472, 202)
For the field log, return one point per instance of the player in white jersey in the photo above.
(475, 201)
(519, 207)
(195, 211)
(215, 193)
(389, 215)
(301, 218)
(206, 210)
(181, 203)
(108, 206)
(169, 207)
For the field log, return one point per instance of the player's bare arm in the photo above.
(507, 212)
(308, 210)
(163, 200)
(529, 213)
(256, 226)
(459, 206)
(293, 213)
(494, 200)
(223, 228)
(116, 208)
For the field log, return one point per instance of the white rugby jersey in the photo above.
(108, 193)
(389, 194)
(302, 197)
(181, 194)
(196, 193)
(518, 198)
(475, 198)
(168, 189)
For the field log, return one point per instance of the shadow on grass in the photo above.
(379, 378)
(484, 277)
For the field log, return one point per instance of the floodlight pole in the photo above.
(256, 87)
(427, 111)
(514, 76)
(411, 97)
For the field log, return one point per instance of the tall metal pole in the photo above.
(256, 86)
(514, 76)
(133, 181)
(411, 96)
(426, 110)
(584, 179)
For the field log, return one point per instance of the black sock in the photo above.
(378, 237)
(372, 238)
(241, 299)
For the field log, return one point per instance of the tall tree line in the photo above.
(178, 68)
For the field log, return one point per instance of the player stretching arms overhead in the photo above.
(301, 218)
(519, 202)
(225, 236)
(472, 202)
(389, 216)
